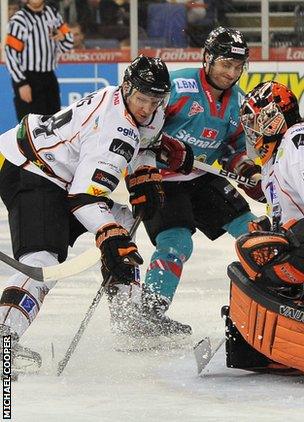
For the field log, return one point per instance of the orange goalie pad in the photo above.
(271, 324)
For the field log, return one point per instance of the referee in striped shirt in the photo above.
(36, 34)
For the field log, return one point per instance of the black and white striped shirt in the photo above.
(28, 44)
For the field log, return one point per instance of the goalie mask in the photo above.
(266, 114)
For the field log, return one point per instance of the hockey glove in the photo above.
(258, 250)
(119, 254)
(259, 224)
(177, 155)
(274, 258)
(249, 169)
(146, 192)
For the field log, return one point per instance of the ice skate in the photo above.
(23, 360)
(139, 322)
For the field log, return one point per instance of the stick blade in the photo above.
(202, 353)
(73, 266)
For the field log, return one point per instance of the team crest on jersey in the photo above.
(185, 85)
(195, 109)
(209, 133)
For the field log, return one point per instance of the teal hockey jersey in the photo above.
(212, 128)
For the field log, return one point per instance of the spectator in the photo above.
(78, 36)
(74, 11)
(67, 9)
(114, 12)
(31, 64)
(13, 7)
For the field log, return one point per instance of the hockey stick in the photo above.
(63, 363)
(55, 272)
(203, 353)
(250, 182)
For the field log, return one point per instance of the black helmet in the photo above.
(148, 75)
(226, 43)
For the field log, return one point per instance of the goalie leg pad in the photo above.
(270, 324)
(239, 354)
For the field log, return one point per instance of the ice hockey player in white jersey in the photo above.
(58, 175)
(268, 333)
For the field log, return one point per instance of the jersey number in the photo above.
(47, 124)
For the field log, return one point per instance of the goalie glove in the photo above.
(277, 258)
(119, 255)
(177, 155)
(146, 192)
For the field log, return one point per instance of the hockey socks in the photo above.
(173, 248)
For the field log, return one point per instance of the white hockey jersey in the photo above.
(84, 148)
(283, 177)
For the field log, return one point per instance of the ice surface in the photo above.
(100, 384)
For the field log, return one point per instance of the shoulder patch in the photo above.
(298, 140)
(185, 85)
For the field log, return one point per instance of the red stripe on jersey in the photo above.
(212, 103)
(175, 108)
(235, 135)
(225, 101)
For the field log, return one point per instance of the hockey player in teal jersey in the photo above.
(203, 118)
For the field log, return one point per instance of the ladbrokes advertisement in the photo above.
(77, 79)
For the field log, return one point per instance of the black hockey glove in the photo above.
(146, 192)
(119, 254)
(177, 155)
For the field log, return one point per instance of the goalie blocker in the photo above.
(264, 329)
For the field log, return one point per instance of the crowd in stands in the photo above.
(162, 23)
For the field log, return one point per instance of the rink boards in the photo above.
(78, 79)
